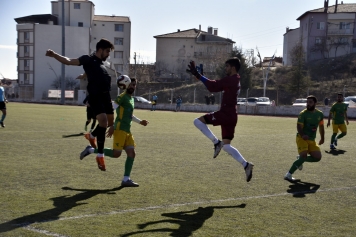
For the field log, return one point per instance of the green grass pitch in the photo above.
(47, 191)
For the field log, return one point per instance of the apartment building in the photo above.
(324, 32)
(83, 29)
(175, 50)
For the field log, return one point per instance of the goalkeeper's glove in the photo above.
(193, 70)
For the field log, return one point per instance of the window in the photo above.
(343, 40)
(119, 67)
(76, 5)
(354, 45)
(80, 24)
(203, 38)
(118, 54)
(26, 78)
(26, 63)
(26, 49)
(317, 40)
(119, 27)
(119, 41)
(344, 25)
(320, 25)
(26, 35)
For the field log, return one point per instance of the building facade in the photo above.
(324, 33)
(175, 50)
(83, 29)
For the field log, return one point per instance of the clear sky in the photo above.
(249, 23)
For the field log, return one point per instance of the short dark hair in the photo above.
(340, 94)
(133, 79)
(104, 44)
(313, 98)
(234, 62)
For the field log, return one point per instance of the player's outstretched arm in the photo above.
(62, 59)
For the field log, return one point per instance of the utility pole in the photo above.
(135, 63)
(63, 53)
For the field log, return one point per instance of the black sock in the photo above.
(100, 138)
(93, 124)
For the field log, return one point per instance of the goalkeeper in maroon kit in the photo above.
(226, 117)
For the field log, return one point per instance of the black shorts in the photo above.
(101, 104)
(90, 114)
(2, 105)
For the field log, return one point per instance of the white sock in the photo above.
(232, 151)
(205, 130)
(91, 150)
(126, 178)
(100, 155)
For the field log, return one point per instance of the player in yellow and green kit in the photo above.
(338, 112)
(123, 139)
(308, 122)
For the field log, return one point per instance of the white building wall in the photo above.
(47, 37)
(104, 29)
(290, 39)
(73, 16)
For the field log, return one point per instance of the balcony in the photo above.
(340, 31)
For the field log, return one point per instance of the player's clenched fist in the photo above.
(50, 53)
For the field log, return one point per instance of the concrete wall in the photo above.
(49, 37)
(292, 111)
(104, 29)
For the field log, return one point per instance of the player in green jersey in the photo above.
(308, 122)
(338, 112)
(123, 139)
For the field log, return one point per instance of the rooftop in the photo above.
(41, 19)
(111, 18)
(191, 33)
(341, 8)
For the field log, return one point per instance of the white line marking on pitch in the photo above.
(45, 232)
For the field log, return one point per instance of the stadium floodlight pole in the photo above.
(63, 53)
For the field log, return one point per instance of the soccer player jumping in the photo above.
(226, 117)
(308, 122)
(123, 139)
(338, 112)
(99, 86)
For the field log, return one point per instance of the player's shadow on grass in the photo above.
(336, 152)
(299, 188)
(188, 221)
(73, 135)
(61, 204)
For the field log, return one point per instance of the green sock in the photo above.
(341, 135)
(333, 138)
(107, 152)
(296, 164)
(128, 166)
(311, 159)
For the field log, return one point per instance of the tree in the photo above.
(70, 83)
(298, 79)
(245, 70)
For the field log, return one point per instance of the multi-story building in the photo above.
(324, 32)
(83, 29)
(175, 50)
